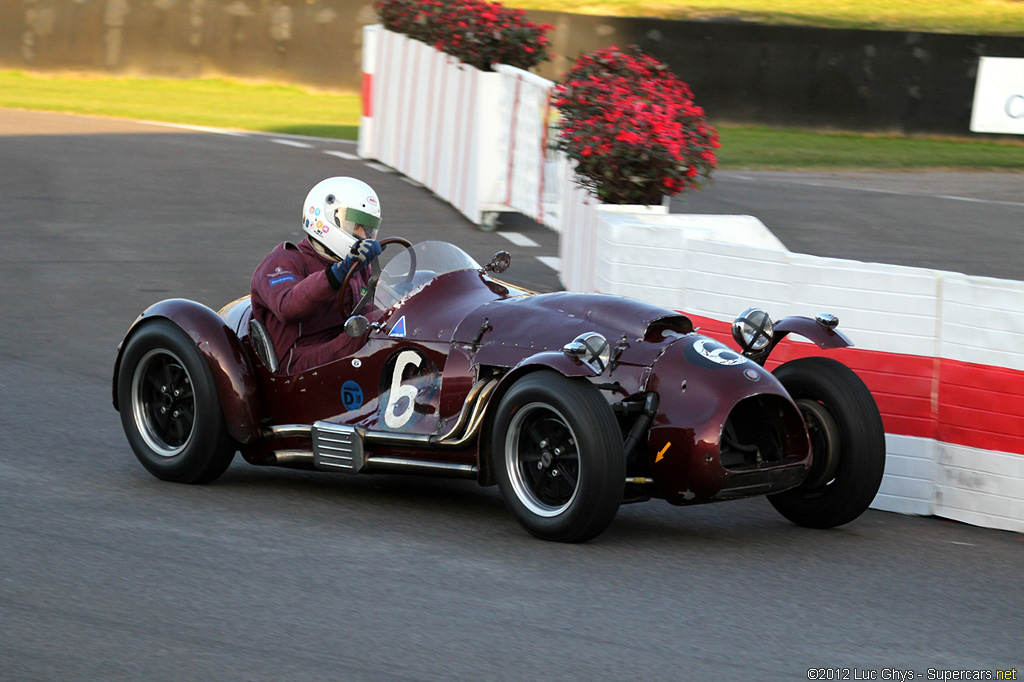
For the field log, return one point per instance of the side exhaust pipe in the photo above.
(339, 447)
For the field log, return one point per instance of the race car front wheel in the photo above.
(557, 457)
(847, 444)
(169, 406)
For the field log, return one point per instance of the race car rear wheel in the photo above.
(847, 441)
(558, 458)
(169, 406)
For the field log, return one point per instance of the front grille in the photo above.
(337, 447)
(761, 431)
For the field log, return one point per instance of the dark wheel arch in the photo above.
(233, 373)
(170, 409)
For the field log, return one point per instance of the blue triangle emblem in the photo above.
(399, 328)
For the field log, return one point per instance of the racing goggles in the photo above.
(355, 218)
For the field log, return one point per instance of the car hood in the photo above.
(508, 329)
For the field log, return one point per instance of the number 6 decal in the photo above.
(398, 412)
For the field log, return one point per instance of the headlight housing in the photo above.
(753, 330)
(591, 349)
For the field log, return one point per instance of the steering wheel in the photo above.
(372, 284)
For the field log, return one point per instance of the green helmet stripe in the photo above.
(362, 218)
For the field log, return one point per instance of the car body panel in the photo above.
(700, 382)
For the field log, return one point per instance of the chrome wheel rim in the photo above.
(542, 460)
(163, 403)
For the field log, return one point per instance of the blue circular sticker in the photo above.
(351, 395)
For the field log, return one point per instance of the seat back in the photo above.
(261, 342)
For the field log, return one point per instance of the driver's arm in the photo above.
(288, 292)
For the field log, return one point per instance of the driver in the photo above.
(295, 288)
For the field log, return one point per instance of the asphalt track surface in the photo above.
(268, 574)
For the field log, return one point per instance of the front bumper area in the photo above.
(760, 448)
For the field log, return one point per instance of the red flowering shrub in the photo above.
(478, 33)
(632, 128)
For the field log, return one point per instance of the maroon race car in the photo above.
(573, 404)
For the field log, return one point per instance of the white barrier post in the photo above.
(434, 120)
(530, 174)
(370, 36)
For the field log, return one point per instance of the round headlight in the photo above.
(753, 330)
(590, 348)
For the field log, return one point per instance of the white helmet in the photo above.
(335, 208)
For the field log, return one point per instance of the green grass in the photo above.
(996, 17)
(206, 102)
(288, 109)
(757, 147)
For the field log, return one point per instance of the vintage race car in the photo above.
(571, 403)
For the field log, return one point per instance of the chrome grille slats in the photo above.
(337, 447)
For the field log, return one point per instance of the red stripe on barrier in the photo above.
(981, 406)
(962, 403)
(996, 380)
(366, 92)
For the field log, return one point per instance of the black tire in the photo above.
(557, 457)
(847, 439)
(169, 406)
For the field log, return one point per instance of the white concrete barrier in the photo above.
(943, 353)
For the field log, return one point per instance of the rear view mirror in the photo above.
(356, 326)
(499, 262)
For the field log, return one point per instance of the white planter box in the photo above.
(435, 120)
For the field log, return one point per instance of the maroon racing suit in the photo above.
(295, 296)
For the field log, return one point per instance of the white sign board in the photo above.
(999, 96)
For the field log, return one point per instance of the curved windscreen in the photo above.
(410, 269)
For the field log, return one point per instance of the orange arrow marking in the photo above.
(661, 455)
